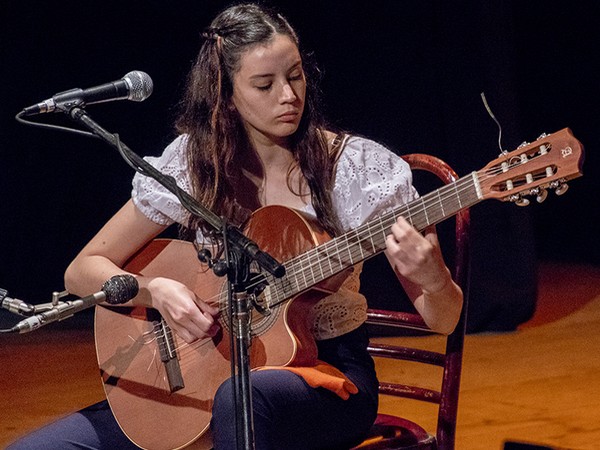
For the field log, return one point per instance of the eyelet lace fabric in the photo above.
(154, 200)
(370, 180)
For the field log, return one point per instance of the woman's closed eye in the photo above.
(294, 77)
(265, 87)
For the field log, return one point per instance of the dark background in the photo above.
(406, 73)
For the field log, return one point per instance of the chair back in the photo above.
(394, 432)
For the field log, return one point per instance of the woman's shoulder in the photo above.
(345, 142)
(359, 146)
(361, 156)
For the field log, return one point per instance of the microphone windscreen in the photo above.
(120, 289)
(140, 85)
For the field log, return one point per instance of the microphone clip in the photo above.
(55, 303)
(16, 306)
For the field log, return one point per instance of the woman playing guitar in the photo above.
(250, 136)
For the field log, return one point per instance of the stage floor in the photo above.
(538, 385)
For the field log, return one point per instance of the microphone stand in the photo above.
(240, 339)
(239, 253)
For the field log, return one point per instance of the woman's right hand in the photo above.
(190, 317)
(108, 252)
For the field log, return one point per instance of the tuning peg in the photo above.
(564, 187)
(540, 194)
(559, 186)
(519, 200)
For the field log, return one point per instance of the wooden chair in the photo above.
(392, 432)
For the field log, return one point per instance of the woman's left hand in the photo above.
(417, 257)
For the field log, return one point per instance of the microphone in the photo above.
(119, 289)
(136, 86)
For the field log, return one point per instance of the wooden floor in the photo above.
(538, 385)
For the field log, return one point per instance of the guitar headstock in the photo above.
(533, 168)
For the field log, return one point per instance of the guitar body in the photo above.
(136, 380)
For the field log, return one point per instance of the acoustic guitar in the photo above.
(161, 389)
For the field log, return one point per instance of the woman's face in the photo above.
(269, 90)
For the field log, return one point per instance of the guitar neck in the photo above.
(367, 240)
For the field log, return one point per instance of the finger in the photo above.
(208, 308)
(192, 323)
(405, 233)
(203, 324)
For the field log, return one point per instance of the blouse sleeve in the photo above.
(154, 200)
(370, 179)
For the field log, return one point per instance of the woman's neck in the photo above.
(268, 155)
(274, 176)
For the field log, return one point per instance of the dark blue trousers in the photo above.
(287, 412)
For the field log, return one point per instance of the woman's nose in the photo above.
(287, 94)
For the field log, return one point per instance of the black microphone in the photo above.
(136, 86)
(119, 289)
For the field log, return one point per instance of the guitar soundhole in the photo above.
(263, 316)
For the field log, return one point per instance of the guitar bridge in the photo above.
(168, 355)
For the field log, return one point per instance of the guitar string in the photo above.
(426, 204)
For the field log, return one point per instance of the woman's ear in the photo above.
(231, 103)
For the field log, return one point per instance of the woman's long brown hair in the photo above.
(216, 135)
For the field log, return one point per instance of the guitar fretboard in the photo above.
(359, 244)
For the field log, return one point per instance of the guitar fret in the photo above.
(332, 248)
(373, 246)
(321, 270)
(346, 252)
(360, 249)
(293, 286)
(425, 211)
(353, 246)
(457, 194)
(330, 265)
(317, 260)
(409, 217)
(441, 203)
(417, 219)
(305, 280)
(312, 277)
(337, 253)
(282, 287)
(297, 280)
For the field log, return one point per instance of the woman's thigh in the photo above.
(290, 414)
(92, 428)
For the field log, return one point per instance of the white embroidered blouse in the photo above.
(369, 180)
